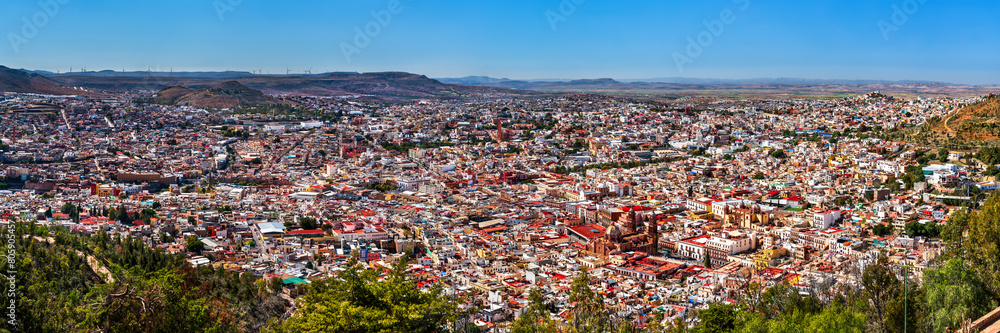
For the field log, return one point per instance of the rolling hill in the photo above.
(976, 123)
(385, 86)
(230, 94)
(12, 80)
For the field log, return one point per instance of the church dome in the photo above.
(613, 231)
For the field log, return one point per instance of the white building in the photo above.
(693, 247)
(731, 245)
(823, 220)
(367, 235)
(699, 205)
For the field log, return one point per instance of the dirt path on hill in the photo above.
(92, 261)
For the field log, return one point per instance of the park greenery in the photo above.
(382, 187)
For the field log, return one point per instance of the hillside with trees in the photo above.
(126, 287)
(973, 124)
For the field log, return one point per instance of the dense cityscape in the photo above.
(662, 211)
(518, 166)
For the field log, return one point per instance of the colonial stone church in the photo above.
(624, 236)
(746, 217)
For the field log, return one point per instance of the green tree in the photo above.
(308, 223)
(589, 314)
(718, 318)
(907, 306)
(893, 185)
(193, 244)
(992, 170)
(537, 318)
(880, 288)
(954, 292)
(147, 213)
(359, 301)
(166, 238)
(881, 229)
(139, 302)
(834, 318)
(981, 247)
(837, 318)
(953, 232)
(783, 299)
(68, 208)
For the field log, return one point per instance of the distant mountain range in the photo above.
(489, 81)
(195, 75)
(739, 88)
(386, 86)
(400, 86)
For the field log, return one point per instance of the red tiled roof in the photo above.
(590, 231)
(304, 232)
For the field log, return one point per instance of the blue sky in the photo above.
(950, 41)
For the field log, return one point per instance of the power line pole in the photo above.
(906, 280)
